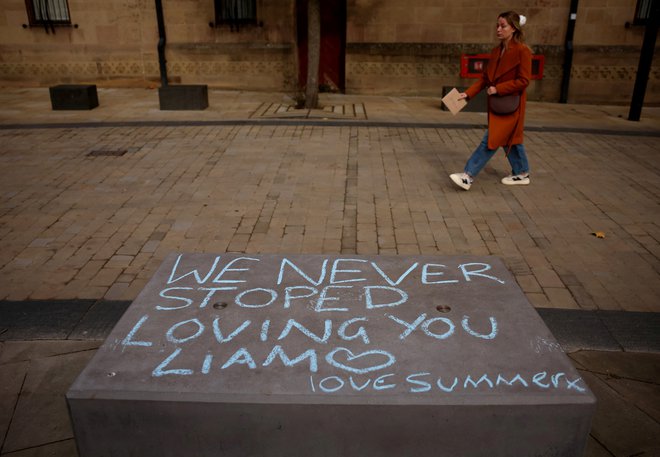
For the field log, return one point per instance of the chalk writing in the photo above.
(190, 329)
(338, 272)
(350, 358)
(425, 382)
(336, 322)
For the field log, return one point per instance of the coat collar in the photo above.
(504, 63)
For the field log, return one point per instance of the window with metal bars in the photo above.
(235, 13)
(48, 13)
(643, 11)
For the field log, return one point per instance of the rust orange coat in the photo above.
(509, 73)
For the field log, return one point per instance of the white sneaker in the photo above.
(516, 180)
(462, 180)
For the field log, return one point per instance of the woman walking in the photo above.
(505, 79)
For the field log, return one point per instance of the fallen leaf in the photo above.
(599, 234)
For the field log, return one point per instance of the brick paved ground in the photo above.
(79, 226)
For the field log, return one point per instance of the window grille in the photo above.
(48, 12)
(643, 11)
(235, 12)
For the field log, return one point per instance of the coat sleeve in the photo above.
(521, 81)
(478, 86)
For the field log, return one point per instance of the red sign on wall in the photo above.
(473, 65)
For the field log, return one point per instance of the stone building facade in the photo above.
(374, 46)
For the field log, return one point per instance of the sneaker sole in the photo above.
(459, 183)
(516, 183)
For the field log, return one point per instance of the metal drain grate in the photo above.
(107, 152)
(281, 111)
(116, 152)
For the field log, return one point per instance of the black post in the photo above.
(313, 53)
(161, 43)
(568, 52)
(645, 60)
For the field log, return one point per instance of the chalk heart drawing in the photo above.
(367, 360)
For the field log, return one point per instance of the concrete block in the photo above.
(74, 97)
(183, 97)
(319, 355)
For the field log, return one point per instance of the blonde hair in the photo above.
(513, 20)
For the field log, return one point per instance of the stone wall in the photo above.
(115, 43)
(415, 47)
(393, 47)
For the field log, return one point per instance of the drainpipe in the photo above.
(161, 43)
(568, 52)
(645, 60)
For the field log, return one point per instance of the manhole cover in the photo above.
(280, 111)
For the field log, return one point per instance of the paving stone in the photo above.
(547, 277)
(65, 448)
(41, 415)
(560, 298)
(119, 261)
(105, 277)
(628, 432)
(46, 291)
(528, 283)
(539, 300)
(12, 352)
(12, 376)
(91, 292)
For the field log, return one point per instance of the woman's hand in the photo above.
(462, 96)
(492, 90)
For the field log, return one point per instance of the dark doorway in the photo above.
(333, 45)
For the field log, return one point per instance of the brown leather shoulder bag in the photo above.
(503, 104)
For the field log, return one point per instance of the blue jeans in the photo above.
(517, 158)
